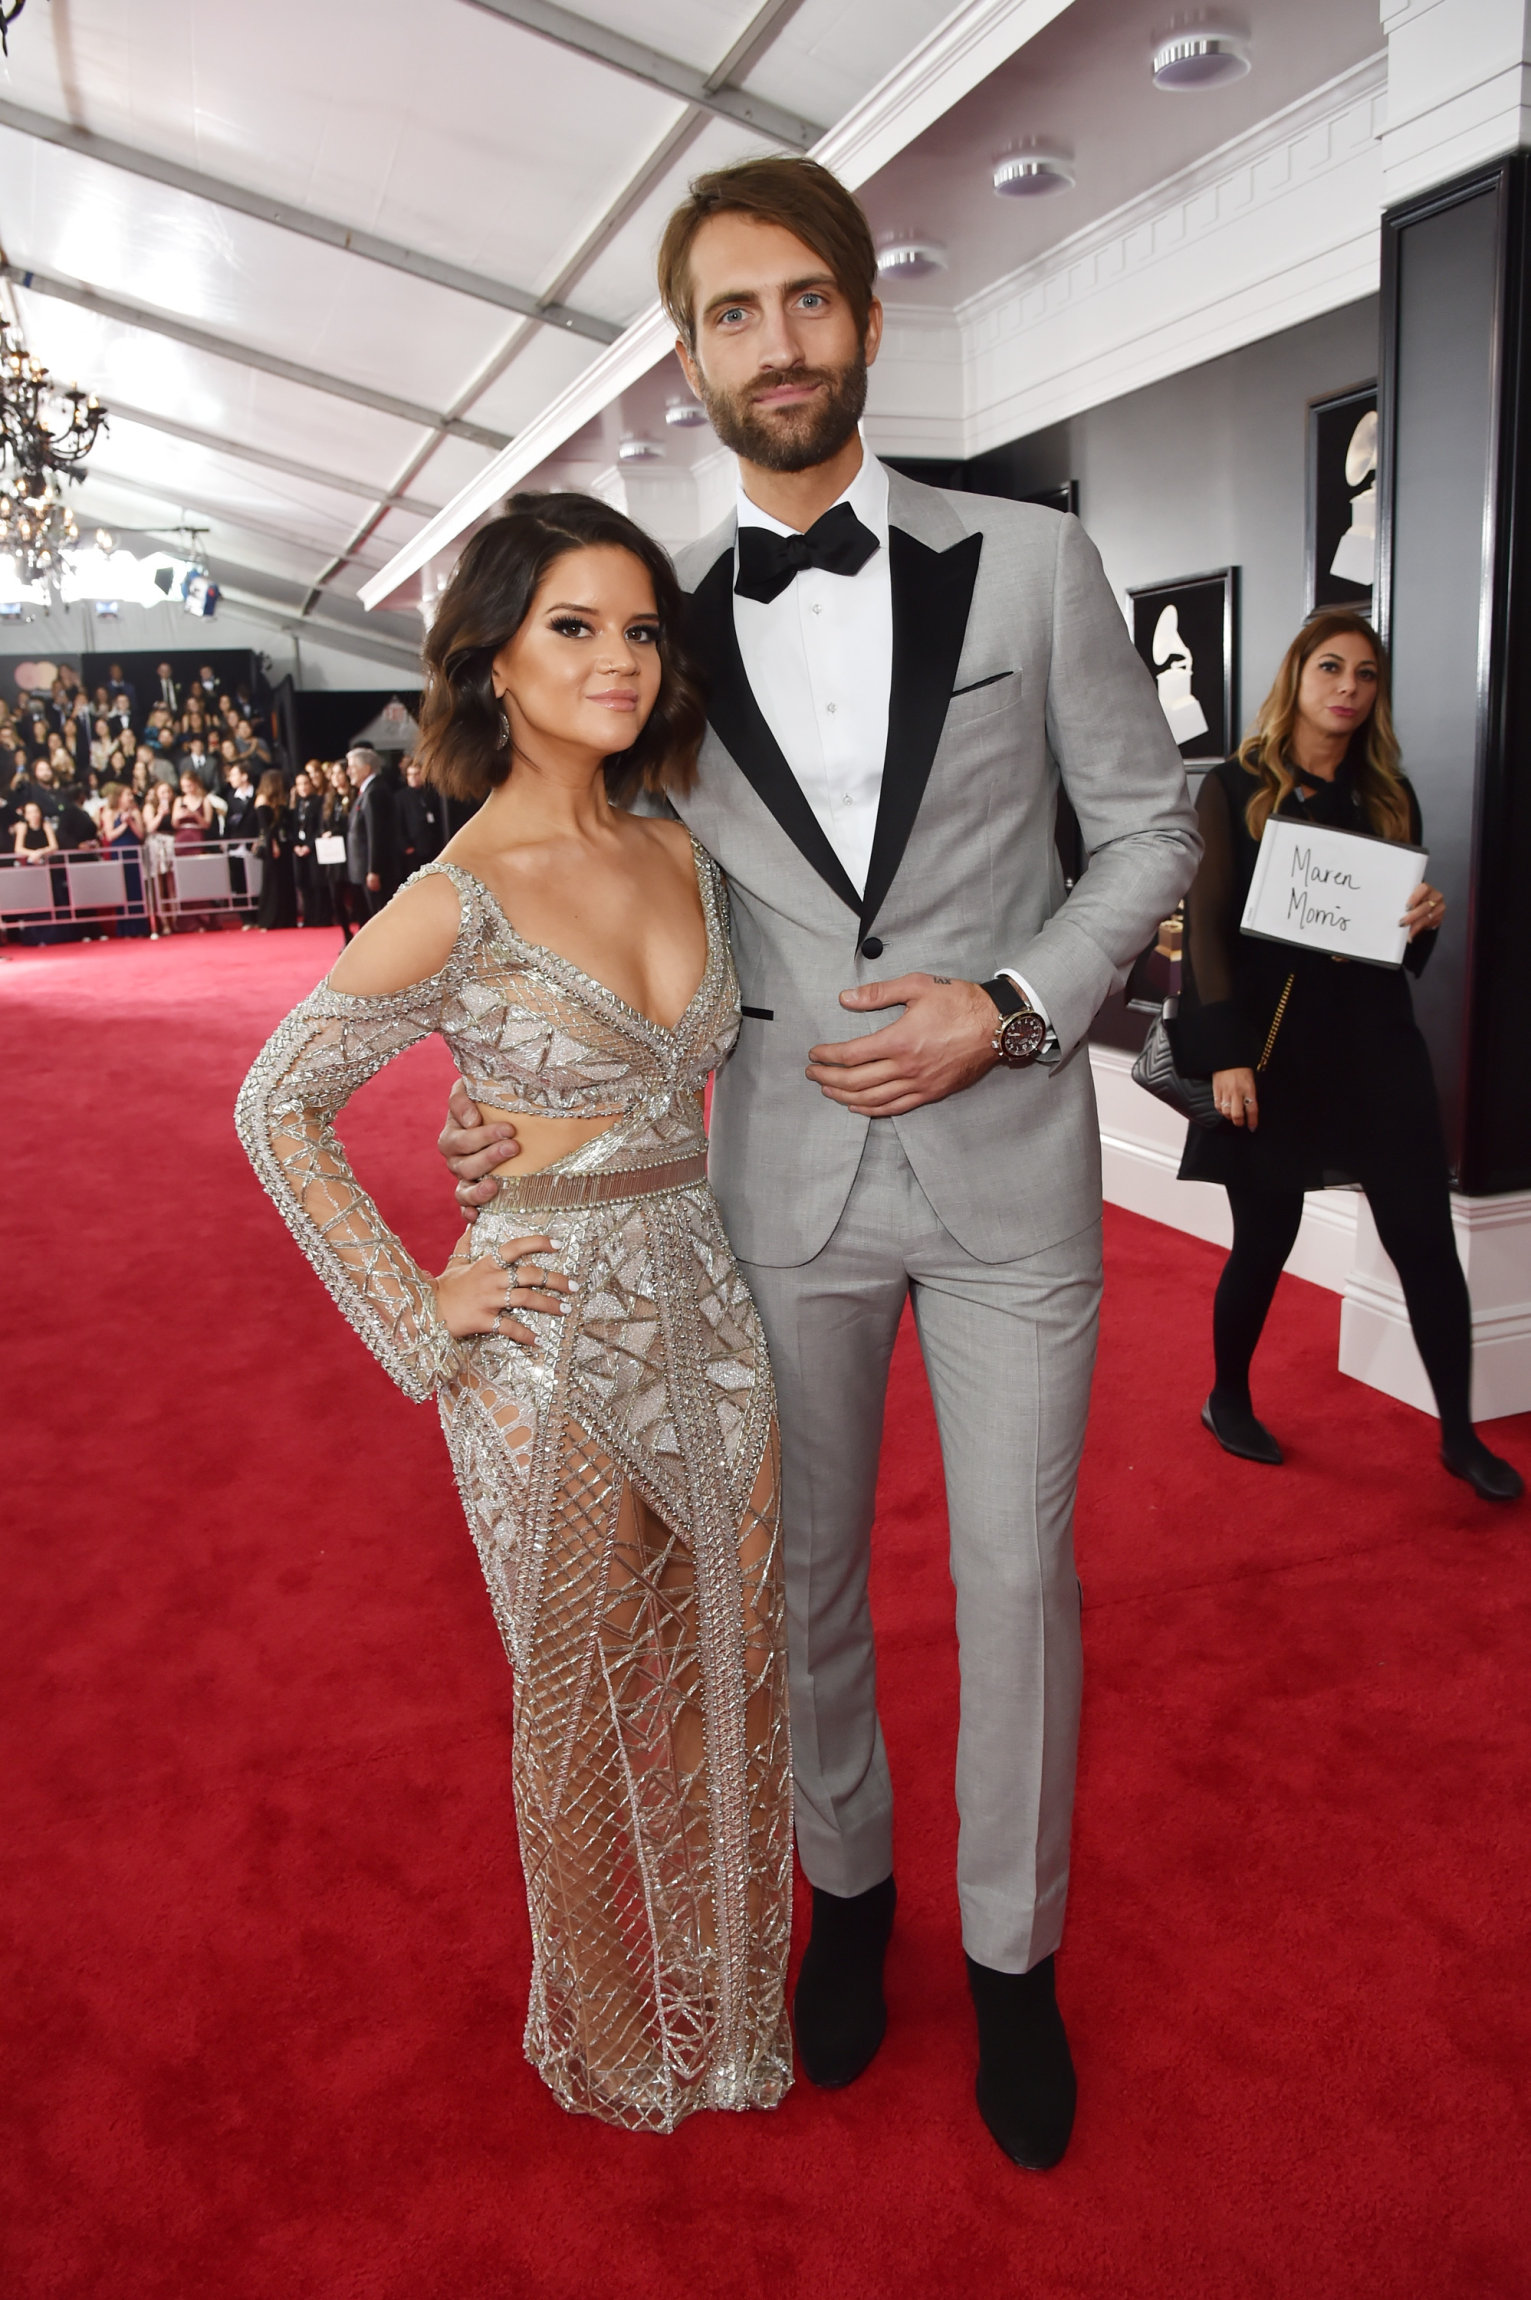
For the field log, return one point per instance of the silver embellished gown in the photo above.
(620, 1485)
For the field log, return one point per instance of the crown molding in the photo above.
(1274, 227)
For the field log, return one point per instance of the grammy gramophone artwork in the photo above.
(1342, 499)
(1186, 632)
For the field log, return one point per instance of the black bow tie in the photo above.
(767, 562)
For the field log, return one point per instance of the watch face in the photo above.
(1021, 1038)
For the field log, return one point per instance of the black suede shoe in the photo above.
(1237, 1432)
(1026, 2089)
(837, 2007)
(1491, 1478)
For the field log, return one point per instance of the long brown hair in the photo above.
(462, 748)
(1373, 754)
(799, 194)
(273, 791)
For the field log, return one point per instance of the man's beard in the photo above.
(797, 438)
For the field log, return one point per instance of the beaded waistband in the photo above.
(538, 1193)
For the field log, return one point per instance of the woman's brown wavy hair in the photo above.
(484, 606)
(1373, 753)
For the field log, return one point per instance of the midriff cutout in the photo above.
(543, 1141)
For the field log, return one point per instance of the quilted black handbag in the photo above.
(1155, 1069)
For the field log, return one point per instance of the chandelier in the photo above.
(44, 427)
(37, 527)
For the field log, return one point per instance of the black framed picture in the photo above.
(1342, 499)
(1187, 634)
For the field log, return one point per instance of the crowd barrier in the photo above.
(159, 887)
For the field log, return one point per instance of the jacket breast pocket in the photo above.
(982, 698)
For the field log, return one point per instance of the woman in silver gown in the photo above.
(594, 1353)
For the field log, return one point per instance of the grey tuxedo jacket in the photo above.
(1013, 675)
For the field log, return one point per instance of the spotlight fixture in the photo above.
(904, 258)
(1186, 62)
(685, 414)
(1032, 175)
(636, 450)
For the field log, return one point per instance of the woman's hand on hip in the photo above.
(480, 1297)
(1234, 1093)
(1427, 907)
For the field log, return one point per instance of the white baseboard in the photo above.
(1337, 1247)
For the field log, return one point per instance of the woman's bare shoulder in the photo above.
(672, 836)
(406, 943)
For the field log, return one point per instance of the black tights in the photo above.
(1413, 1218)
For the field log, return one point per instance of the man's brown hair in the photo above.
(804, 198)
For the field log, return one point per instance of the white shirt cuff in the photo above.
(1050, 1042)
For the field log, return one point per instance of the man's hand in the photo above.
(943, 1041)
(374, 883)
(472, 1149)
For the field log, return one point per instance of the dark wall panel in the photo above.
(1442, 450)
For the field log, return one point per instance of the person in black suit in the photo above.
(371, 843)
(307, 828)
(122, 692)
(239, 814)
(420, 812)
(167, 688)
(73, 824)
(1317, 1065)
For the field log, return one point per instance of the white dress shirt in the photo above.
(819, 660)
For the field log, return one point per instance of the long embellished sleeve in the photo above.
(303, 1076)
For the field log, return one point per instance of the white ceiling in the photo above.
(433, 124)
(1084, 86)
(444, 129)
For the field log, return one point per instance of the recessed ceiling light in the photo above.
(1189, 61)
(682, 414)
(910, 259)
(640, 451)
(1032, 175)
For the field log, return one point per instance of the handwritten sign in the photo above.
(1332, 890)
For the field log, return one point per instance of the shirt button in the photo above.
(829, 706)
(818, 607)
(846, 800)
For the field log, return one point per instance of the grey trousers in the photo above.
(1009, 1348)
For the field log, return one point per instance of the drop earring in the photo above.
(504, 742)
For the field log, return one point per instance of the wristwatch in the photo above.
(1020, 1033)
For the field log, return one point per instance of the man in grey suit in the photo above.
(369, 833)
(901, 680)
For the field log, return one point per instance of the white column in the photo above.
(1458, 89)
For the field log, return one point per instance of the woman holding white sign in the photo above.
(1318, 1069)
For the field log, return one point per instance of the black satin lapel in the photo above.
(932, 592)
(740, 726)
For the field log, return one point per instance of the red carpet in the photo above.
(265, 1949)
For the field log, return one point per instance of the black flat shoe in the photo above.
(1491, 1478)
(837, 2007)
(1026, 2088)
(1237, 1432)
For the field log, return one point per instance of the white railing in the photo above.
(104, 890)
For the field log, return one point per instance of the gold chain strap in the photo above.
(1276, 1021)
